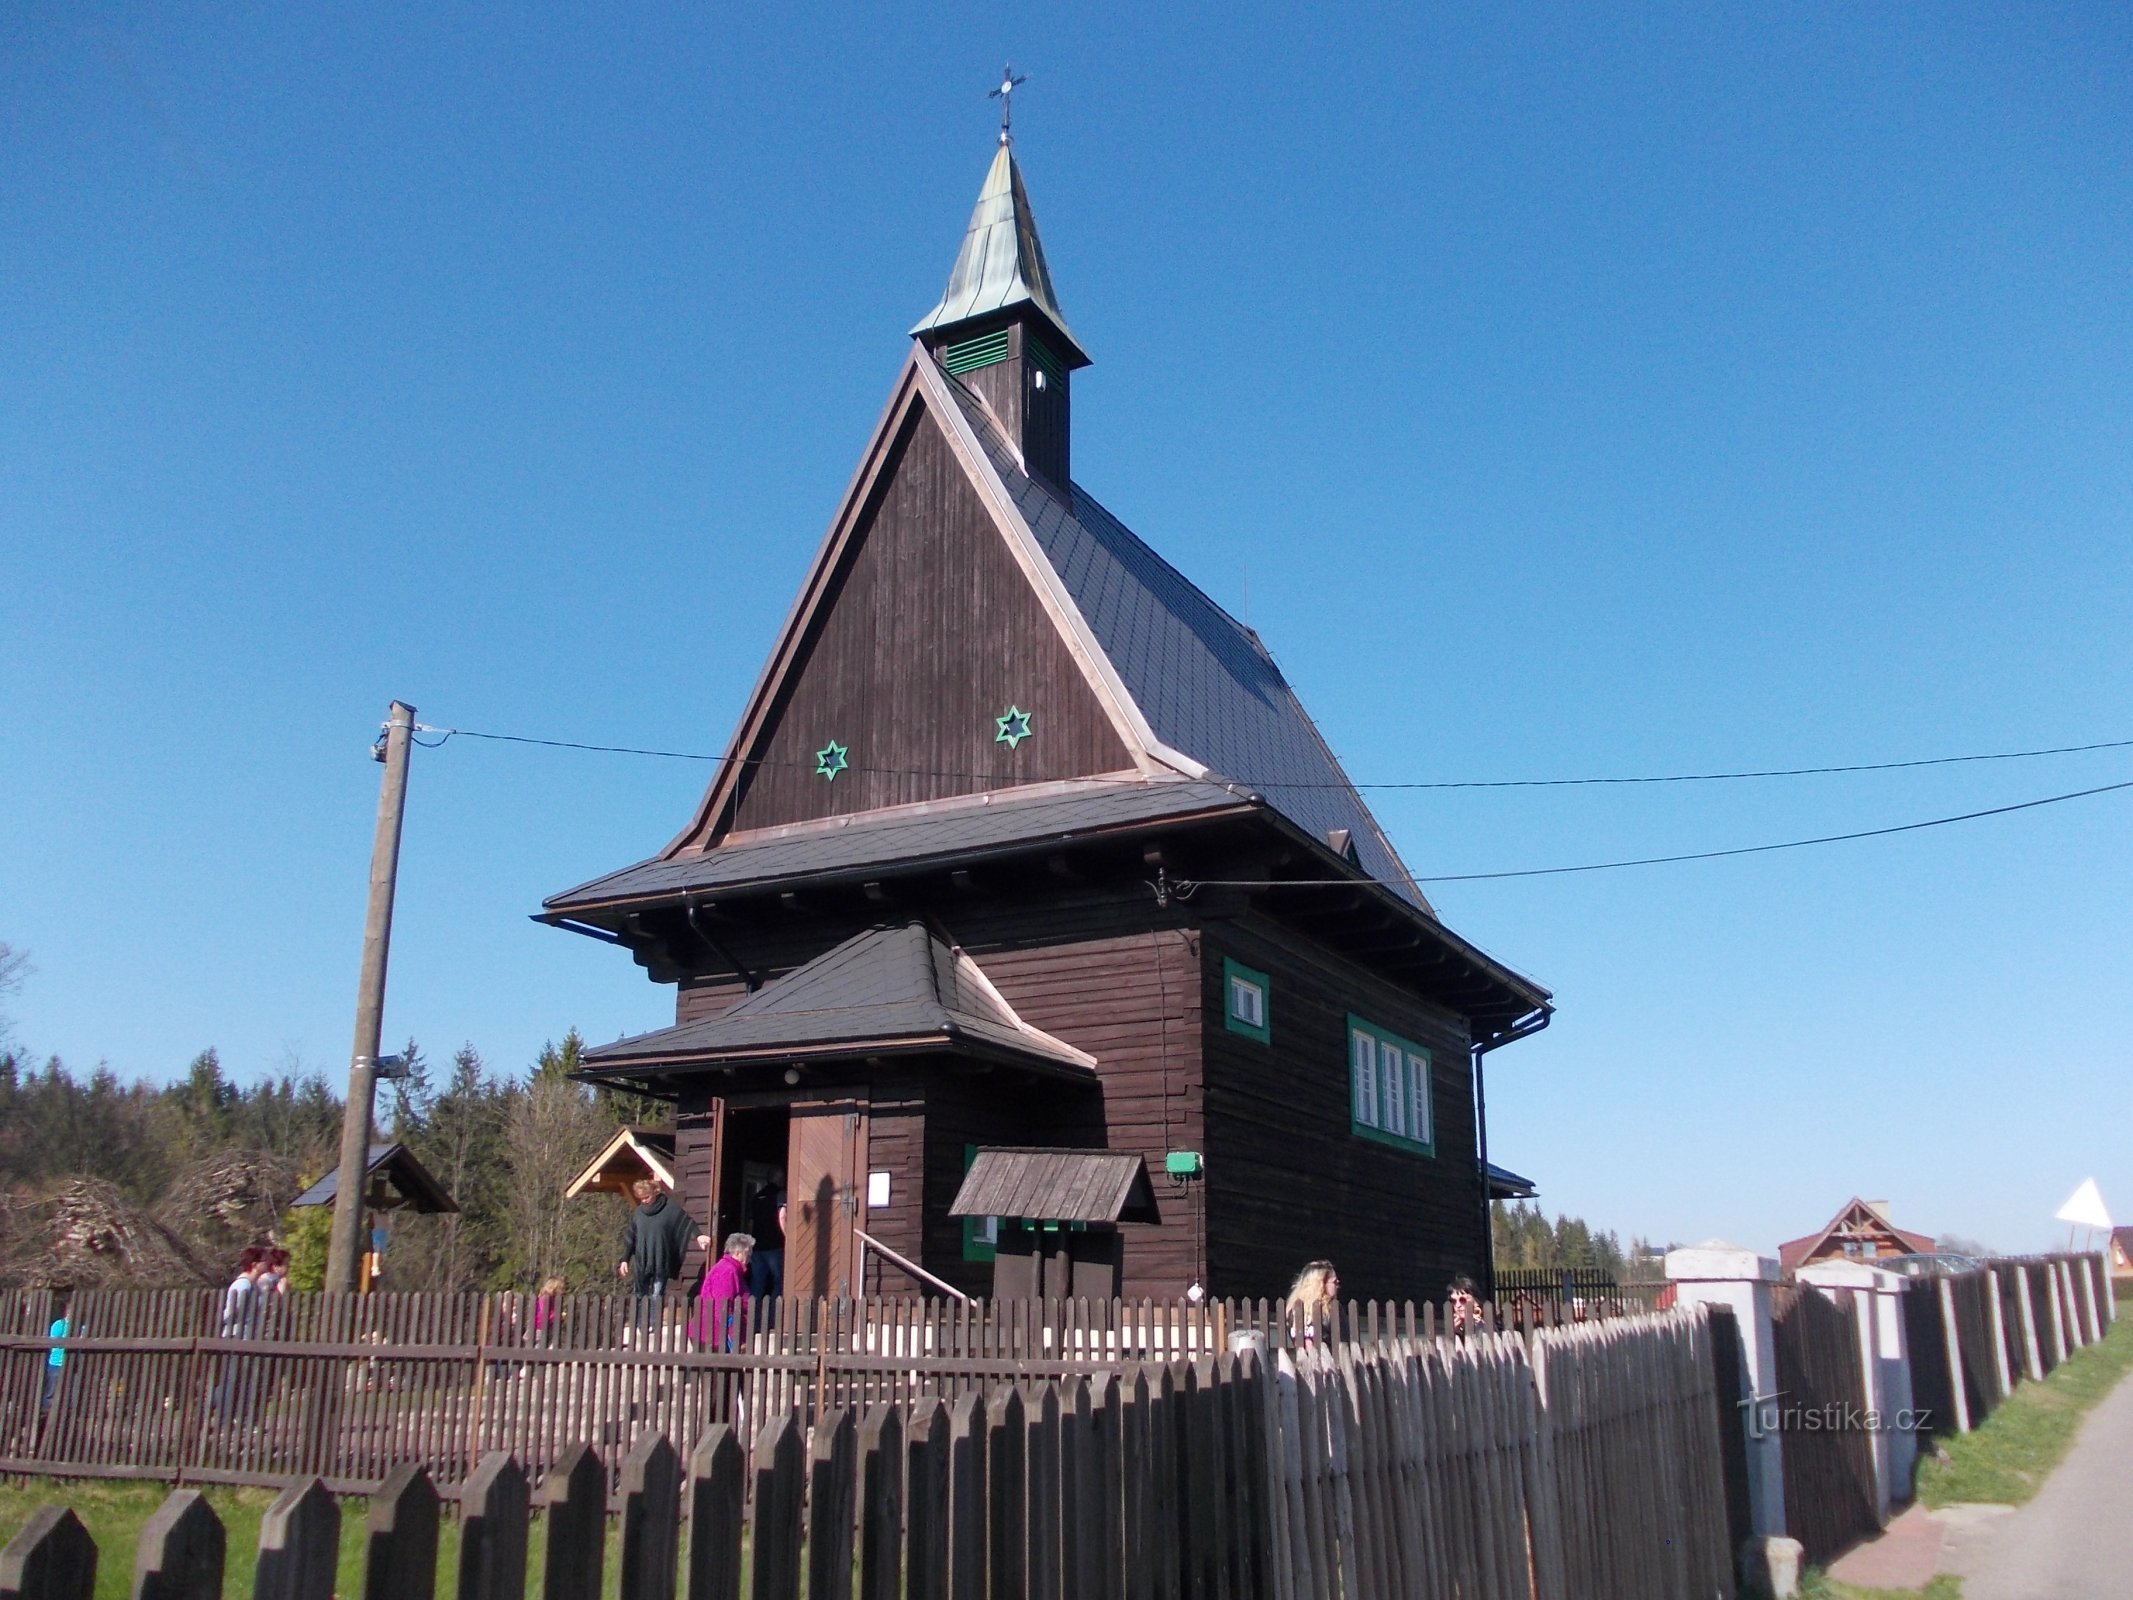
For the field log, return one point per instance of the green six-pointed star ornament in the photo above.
(1014, 727)
(830, 760)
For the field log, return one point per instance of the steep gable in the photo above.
(924, 634)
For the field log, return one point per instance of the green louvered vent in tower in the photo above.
(974, 353)
(1034, 352)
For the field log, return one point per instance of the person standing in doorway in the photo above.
(766, 1266)
(656, 1241)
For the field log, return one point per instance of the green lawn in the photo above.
(2006, 1459)
(114, 1513)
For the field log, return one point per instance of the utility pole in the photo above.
(348, 1199)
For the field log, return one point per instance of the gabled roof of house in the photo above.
(887, 990)
(1795, 1251)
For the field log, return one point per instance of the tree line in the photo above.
(1526, 1239)
(110, 1183)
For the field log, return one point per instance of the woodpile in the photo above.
(88, 1234)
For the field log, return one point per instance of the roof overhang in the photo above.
(1037, 1184)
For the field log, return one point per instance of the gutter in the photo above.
(1524, 1028)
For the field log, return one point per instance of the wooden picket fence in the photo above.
(343, 1388)
(1973, 1337)
(1831, 1498)
(1563, 1463)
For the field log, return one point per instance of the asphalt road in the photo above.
(2074, 1541)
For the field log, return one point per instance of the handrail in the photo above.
(866, 1239)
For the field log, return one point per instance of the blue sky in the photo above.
(1575, 391)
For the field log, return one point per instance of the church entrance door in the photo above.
(825, 1188)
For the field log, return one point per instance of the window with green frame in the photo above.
(1389, 1089)
(980, 1234)
(1245, 1001)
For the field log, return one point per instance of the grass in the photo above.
(2008, 1458)
(114, 1513)
(1819, 1585)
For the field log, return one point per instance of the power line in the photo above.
(1463, 783)
(1660, 861)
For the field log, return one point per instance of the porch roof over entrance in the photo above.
(888, 990)
(1042, 1185)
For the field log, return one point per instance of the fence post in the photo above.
(181, 1551)
(299, 1545)
(400, 1534)
(1740, 1280)
(2058, 1308)
(926, 1499)
(2026, 1308)
(716, 1490)
(832, 1467)
(1005, 1462)
(881, 1503)
(651, 1516)
(2092, 1324)
(1996, 1313)
(52, 1558)
(1958, 1390)
(1878, 1309)
(576, 1492)
(492, 1530)
(774, 1551)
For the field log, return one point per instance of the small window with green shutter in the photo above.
(1245, 992)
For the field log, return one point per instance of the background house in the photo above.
(1860, 1231)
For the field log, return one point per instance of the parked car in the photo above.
(1929, 1264)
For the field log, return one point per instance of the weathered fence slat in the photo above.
(52, 1558)
(775, 1542)
(181, 1553)
(400, 1537)
(651, 1517)
(926, 1500)
(492, 1530)
(715, 1490)
(833, 1463)
(299, 1545)
(576, 1515)
(881, 1504)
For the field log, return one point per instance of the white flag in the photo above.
(2084, 1207)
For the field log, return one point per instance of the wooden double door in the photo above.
(825, 1196)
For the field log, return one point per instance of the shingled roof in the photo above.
(962, 829)
(1205, 683)
(886, 990)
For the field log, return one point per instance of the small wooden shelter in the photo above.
(632, 1155)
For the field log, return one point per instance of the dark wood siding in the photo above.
(930, 632)
(1134, 1002)
(1287, 1179)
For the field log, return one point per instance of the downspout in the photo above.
(1524, 1028)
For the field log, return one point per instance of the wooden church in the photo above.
(1030, 927)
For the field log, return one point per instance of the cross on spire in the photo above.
(1005, 94)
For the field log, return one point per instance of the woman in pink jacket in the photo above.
(725, 1293)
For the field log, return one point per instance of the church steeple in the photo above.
(998, 326)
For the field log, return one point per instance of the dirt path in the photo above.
(2074, 1541)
